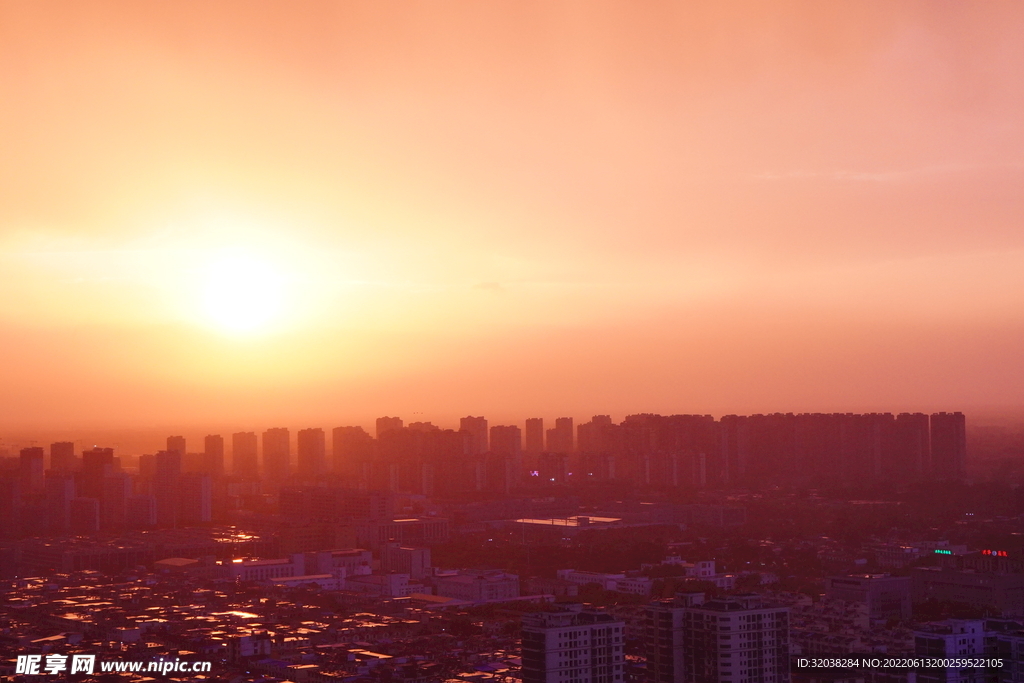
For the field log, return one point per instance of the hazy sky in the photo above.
(266, 213)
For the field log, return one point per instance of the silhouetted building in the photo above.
(534, 436)
(31, 469)
(140, 512)
(276, 455)
(166, 486)
(560, 438)
(147, 467)
(97, 464)
(10, 505)
(911, 447)
(477, 429)
(596, 436)
(506, 440)
(213, 455)
(244, 460)
(60, 491)
(195, 498)
(85, 515)
(334, 505)
(176, 443)
(62, 456)
(949, 445)
(350, 446)
(386, 424)
(117, 488)
(311, 453)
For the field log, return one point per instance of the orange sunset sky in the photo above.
(262, 213)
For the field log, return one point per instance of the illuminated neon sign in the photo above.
(943, 552)
(995, 553)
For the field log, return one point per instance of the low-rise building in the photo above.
(267, 570)
(477, 586)
(887, 597)
(1003, 592)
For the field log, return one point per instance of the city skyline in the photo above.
(152, 439)
(208, 212)
(519, 341)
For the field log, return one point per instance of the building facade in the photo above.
(573, 647)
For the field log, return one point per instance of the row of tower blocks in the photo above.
(678, 450)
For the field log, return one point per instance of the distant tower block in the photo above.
(276, 455)
(176, 443)
(560, 439)
(311, 453)
(213, 455)
(534, 435)
(244, 460)
(477, 429)
(387, 424)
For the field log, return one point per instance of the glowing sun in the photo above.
(242, 293)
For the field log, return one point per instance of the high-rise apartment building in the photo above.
(165, 487)
(195, 498)
(534, 435)
(140, 512)
(561, 438)
(60, 491)
(735, 639)
(117, 489)
(62, 456)
(573, 647)
(244, 459)
(147, 466)
(97, 463)
(176, 443)
(213, 455)
(31, 470)
(507, 440)
(85, 515)
(596, 436)
(476, 427)
(10, 506)
(311, 452)
(949, 445)
(387, 424)
(349, 447)
(910, 455)
(663, 637)
(276, 455)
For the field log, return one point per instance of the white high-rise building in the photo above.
(663, 637)
(573, 647)
(736, 639)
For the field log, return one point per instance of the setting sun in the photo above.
(242, 293)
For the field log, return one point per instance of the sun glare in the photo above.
(242, 294)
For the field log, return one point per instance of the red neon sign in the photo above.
(995, 553)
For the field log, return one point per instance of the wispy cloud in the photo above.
(888, 176)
